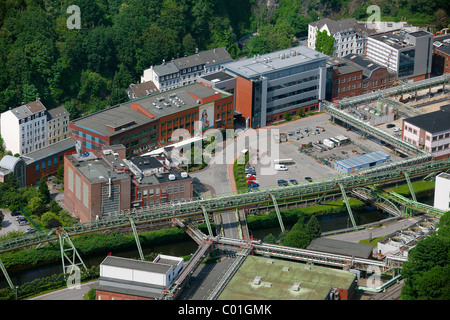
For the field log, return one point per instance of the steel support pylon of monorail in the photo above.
(208, 224)
(136, 237)
(72, 265)
(277, 210)
(349, 209)
(411, 189)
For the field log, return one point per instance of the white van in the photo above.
(280, 167)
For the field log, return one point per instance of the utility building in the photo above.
(129, 279)
(364, 161)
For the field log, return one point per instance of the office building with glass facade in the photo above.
(270, 85)
(409, 54)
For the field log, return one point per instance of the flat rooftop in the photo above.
(358, 161)
(279, 276)
(159, 104)
(394, 38)
(274, 61)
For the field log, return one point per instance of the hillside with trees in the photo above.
(88, 69)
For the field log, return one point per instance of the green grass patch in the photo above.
(372, 242)
(418, 186)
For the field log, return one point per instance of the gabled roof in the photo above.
(344, 25)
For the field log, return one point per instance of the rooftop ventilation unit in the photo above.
(296, 286)
(172, 177)
(184, 174)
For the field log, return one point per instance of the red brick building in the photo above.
(147, 123)
(346, 79)
(99, 184)
(441, 55)
(374, 76)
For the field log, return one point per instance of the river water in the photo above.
(327, 223)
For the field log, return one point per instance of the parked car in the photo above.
(397, 129)
(390, 125)
(282, 183)
(18, 218)
(15, 213)
(280, 167)
(253, 185)
(293, 181)
(250, 177)
(23, 223)
(309, 179)
(250, 170)
(30, 230)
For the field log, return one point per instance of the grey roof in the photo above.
(160, 105)
(275, 61)
(217, 76)
(397, 38)
(165, 69)
(341, 247)
(58, 112)
(143, 89)
(136, 264)
(96, 170)
(215, 56)
(28, 109)
(343, 66)
(188, 62)
(114, 116)
(342, 26)
(50, 150)
(146, 162)
(358, 161)
(433, 122)
(8, 162)
(368, 66)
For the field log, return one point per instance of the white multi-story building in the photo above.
(186, 70)
(24, 129)
(442, 192)
(349, 35)
(409, 54)
(31, 127)
(430, 131)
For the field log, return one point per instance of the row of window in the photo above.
(47, 163)
(293, 93)
(292, 83)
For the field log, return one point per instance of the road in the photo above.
(386, 229)
(68, 293)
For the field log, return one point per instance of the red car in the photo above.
(250, 177)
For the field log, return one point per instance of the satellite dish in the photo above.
(78, 146)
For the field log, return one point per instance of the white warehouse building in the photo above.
(129, 279)
(442, 192)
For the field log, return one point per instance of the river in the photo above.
(327, 223)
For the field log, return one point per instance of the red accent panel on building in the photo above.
(244, 97)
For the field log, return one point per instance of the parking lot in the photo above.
(310, 162)
(10, 223)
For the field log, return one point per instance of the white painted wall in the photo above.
(442, 192)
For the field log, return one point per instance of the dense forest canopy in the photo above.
(88, 69)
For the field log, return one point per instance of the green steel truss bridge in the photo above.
(417, 165)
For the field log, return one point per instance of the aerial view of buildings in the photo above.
(220, 172)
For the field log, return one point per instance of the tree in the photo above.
(313, 228)
(297, 239)
(44, 192)
(287, 117)
(324, 43)
(423, 262)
